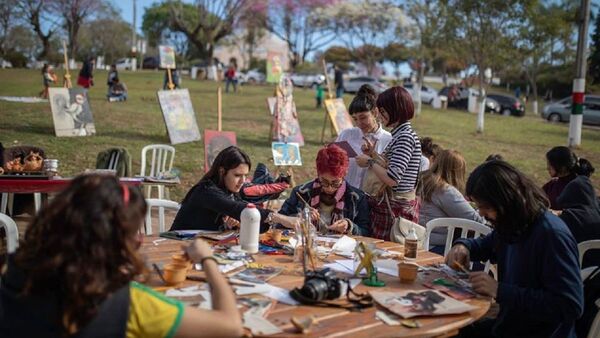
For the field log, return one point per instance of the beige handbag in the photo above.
(402, 226)
(371, 184)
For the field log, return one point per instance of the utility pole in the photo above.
(133, 41)
(576, 119)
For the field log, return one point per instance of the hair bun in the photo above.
(366, 90)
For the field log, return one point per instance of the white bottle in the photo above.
(410, 244)
(249, 228)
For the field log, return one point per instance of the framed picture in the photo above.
(338, 114)
(167, 56)
(179, 115)
(286, 154)
(274, 66)
(214, 142)
(71, 112)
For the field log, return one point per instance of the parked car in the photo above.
(253, 76)
(560, 111)
(462, 100)
(124, 63)
(307, 79)
(428, 94)
(508, 105)
(5, 64)
(353, 84)
(150, 62)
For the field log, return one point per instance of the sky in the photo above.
(125, 7)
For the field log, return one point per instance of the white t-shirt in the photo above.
(354, 136)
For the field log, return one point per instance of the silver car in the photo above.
(428, 94)
(560, 111)
(352, 85)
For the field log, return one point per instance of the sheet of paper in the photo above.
(281, 295)
(344, 245)
(248, 290)
(185, 292)
(389, 319)
(259, 325)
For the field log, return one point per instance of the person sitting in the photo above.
(563, 166)
(335, 205)
(441, 195)
(539, 288)
(363, 112)
(430, 151)
(118, 91)
(74, 274)
(214, 202)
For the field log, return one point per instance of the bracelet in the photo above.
(208, 258)
(270, 220)
(370, 162)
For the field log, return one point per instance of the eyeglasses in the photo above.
(327, 184)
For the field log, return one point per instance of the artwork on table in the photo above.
(258, 275)
(71, 112)
(338, 114)
(412, 303)
(167, 56)
(286, 154)
(179, 115)
(271, 102)
(285, 127)
(214, 142)
(274, 66)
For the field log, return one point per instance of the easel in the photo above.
(330, 96)
(67, 77)
(170, 85)
(219, 109)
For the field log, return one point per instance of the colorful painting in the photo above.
(286, 127)
(179, 115)
(286, 154)
(71, 112)
(214, 142)
(167, 56)
(412, 303)
(274, 66)
(338, 114)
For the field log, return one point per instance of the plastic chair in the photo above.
(161, 205)
(595, 328)
(583, 247)
(465, 225)
(12, 233)
(160, 161)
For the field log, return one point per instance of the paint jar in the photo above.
(50, 167)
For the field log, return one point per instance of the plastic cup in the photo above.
(407, 272)
(174, 273)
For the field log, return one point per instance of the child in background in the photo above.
(320, 93)
(48, 77)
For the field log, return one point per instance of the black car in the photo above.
(509, 105)
(150, 62)
(461, 100)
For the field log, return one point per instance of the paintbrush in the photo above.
(159, 272)
(460, 267)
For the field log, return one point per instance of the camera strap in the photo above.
(356, 301)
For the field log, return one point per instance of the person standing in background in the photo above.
(86, 78)
(339, 82)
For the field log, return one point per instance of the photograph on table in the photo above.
(71, 112)
(412, 303)
(167, 56)
(286, 127)
(179, 115)
(338, 114)
(214, 142)
(285, 154)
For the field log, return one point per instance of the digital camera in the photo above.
(318, 286)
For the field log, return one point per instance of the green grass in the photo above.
(138, 122)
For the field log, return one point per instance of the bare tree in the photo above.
(73, 14)
(36, 14)
(7, 21)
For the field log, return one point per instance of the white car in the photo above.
(253, 76)
(122, 64)
(5, 64)
(307, 80)
(353, 84)
(428, 94)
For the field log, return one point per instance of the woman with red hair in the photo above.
(335, 205)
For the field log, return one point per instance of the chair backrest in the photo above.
(582, 247)
(161, 205)
(117, 159)
(465, 225)
(159, 161)
(12, 233)
(595, 328)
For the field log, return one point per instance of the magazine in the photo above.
(258, 275)
(413, 303)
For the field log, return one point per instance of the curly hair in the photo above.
(333, 160)
(84, 244)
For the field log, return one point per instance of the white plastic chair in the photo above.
(12, 233)
(450, 224)
(159, 161)
(161, 205)
(595, 328)
(583, 247)
(7, 202)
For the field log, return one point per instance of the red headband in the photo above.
(125, 194)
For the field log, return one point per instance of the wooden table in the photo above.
(332, 322)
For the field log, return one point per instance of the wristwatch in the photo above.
(370, 162)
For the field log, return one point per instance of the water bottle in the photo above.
(411, 244)
(249, 228)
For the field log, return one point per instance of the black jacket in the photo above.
(205, 206)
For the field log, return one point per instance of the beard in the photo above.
(327, 199)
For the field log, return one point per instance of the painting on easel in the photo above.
(338, 114)
(286, 154)
(179, 115)
(214, 142)
(167, 57)
(286, 127)
(274, 66)
(71, 112)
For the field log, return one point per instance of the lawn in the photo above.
(138, 122)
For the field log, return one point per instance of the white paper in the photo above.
(389, 319)
(259, 325)
(344, 245)
(248, 290)
(281, 295)
(185, 292)
(225, 268)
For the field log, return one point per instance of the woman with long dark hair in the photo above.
(86, 77)
(539, 287)
(214, 202)
(73, 274)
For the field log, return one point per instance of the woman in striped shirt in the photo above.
(400, 173)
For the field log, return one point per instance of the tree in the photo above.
(7, 21)
(73, 14)
(105, 36)
(338, 55)
(396, 53)
(37, 15)
(594, 59)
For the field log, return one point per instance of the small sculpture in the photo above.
(367, 261)
(33, 162)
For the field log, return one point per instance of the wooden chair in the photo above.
(161, 205)
(159, 161)
(12, 233)
(456, 223)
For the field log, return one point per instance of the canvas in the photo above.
(214, 142)
(167, 56)
(286, 154)
(274, 66)
(286, 127)
(71, 112)
(179, 115)
(338, 114)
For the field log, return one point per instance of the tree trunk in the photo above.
(417, 88)
(481, 100)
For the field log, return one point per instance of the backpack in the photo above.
(591, 292)
(106, 160)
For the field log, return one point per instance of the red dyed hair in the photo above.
(398, 104)
(332, 160)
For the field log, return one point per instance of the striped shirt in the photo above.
(404, 158)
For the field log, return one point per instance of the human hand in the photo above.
(340, 226)
(368, 145)
(287, 221)
(197, 250)
(362, 160)
(484, 284)
(231, 222)
(458, 254)
(315, 217)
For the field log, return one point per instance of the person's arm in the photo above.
(362, 221)
(454, 204)
(224, 320)
(465, 250)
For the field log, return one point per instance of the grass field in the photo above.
(138, 122)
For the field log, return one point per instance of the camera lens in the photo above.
(315, 289)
